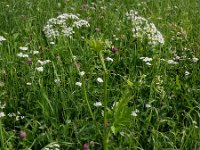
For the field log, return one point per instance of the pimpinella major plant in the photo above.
(117, 116)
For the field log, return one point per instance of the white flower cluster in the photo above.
(143, 29)
(2, 39)
(17, 116)
(147, 60)
(63, 25)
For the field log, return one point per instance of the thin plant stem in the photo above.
(106, 134)
(86, 98)
(83, 89)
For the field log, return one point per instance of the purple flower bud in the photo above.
(86, 146)
(23, 134)
(114, 49)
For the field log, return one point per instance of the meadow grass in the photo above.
(101, 88)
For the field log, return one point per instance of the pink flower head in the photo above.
(114, 49)
(86, 146)
(23, 134)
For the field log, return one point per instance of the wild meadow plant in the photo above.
(99, 75)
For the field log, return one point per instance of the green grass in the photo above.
(64, 113)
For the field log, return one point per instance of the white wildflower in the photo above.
(2, 114)
(2, 39)
(146, 59)
(134, 114)
(148, 64)
(57, 81)
(78, 84)
(44, 62)
(23, 48)
(100, 80)
(28, 83)
(63, 25)
(40, 69)
(78, 24)
(194, 59)
(109, 59)
(194, 122)
(52, 43)
(187, 73)
(148, 105)
(172, 62)
(82, 73)
(35, 52)
(22, 55)
(143, 29)
(97, 104)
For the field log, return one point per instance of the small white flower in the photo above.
(134, 114)
(28, 83)
(171, 62)
(97, 104)
(52, 43)
(147, 105)
(109, 59)
(148, 64)
(57, 81)
(194, 59)
(2, 39)
(23, 48)
(78, 84)
(137, 111)
(147, 59)
(40, 69)
(44, 62)
(100, 80)
(22, 55)
(2, 114)
(187, 73)
(35, 52)
(194, 122)
(82, 73)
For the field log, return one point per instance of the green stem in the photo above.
(83, 89)
(86, 98)
(106, 131)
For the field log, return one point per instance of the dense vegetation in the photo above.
(104, 74)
